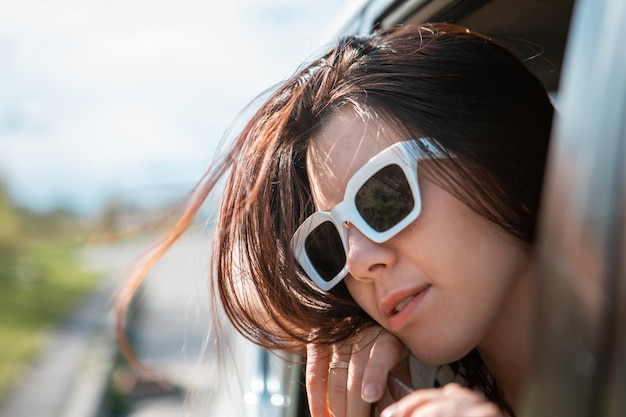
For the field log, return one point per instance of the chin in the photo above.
(436, 355)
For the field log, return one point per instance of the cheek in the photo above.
(364, 295)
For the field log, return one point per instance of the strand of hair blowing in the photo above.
(473, 97)
(254, 266)
(254, 317)
(239, 268)
(125, 296)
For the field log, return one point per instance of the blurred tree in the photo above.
(9, 236)
(57, 223)
(9, 221)
(112, 215)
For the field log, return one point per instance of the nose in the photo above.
(367, 259)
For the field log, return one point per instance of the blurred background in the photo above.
(110, 111)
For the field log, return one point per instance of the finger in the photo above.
(317, 359)
(452, 400)
(451, 406)
(338, 380)
(386, 353)
(411, 402)
(356, 406)
(455, 389)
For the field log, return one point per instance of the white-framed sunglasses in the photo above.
(381, 199)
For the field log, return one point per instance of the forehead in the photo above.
(345, 143)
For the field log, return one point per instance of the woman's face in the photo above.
(449, 282)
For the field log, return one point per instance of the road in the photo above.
(172, 333)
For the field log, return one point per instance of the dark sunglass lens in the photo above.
(325, 250)
(385, 199)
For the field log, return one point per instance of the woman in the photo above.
(394, 183)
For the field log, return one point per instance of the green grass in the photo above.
(39, 284)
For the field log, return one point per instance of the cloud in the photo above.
(105, 96)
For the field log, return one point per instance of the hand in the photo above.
(452, 400)
(360, 380)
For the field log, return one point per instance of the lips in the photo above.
(399, 305)
(398, 300)
(403, 304)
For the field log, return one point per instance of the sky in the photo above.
(129, 99)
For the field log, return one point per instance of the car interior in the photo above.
(538, 29)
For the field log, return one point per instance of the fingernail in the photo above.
(371, 393)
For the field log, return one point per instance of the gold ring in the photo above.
(338, 365)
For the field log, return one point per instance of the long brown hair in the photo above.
(468, 92)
